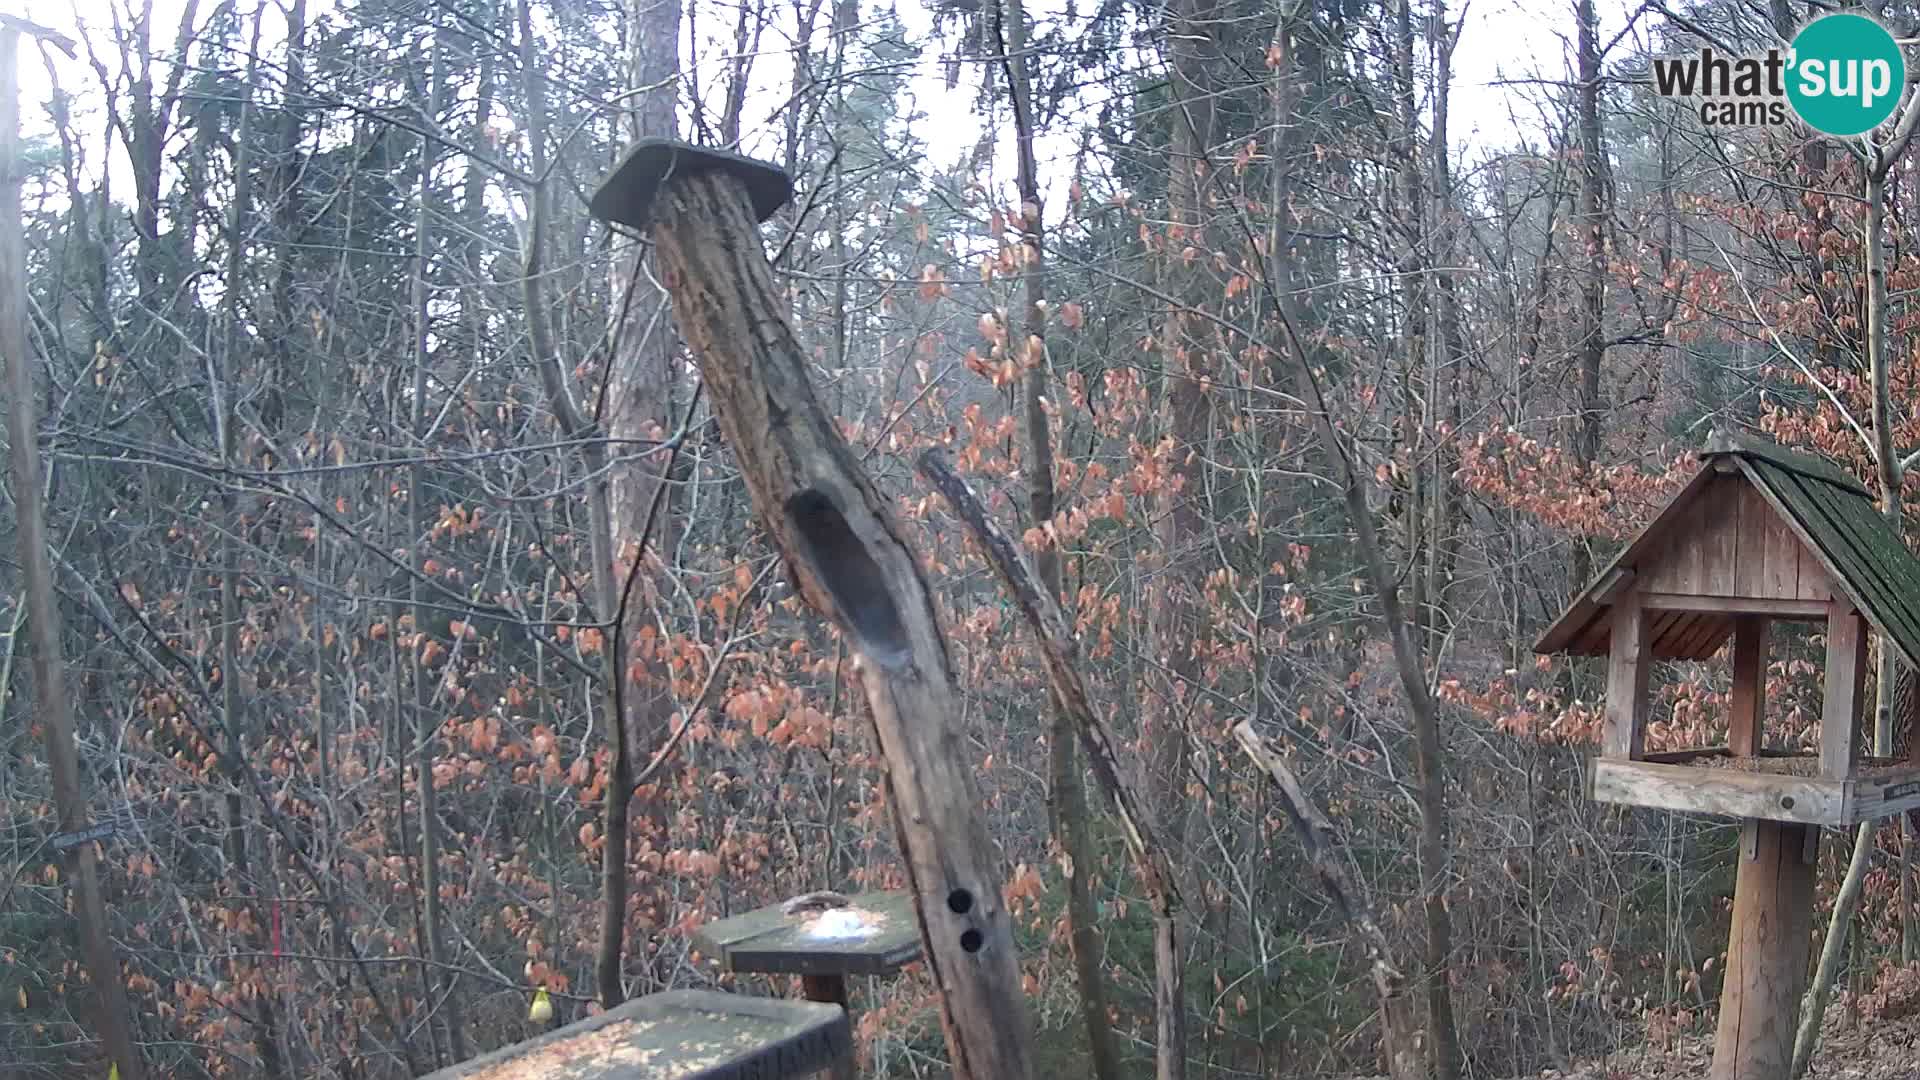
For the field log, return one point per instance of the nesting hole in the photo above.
(844, 565)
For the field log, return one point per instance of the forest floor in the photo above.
(1880, 1049)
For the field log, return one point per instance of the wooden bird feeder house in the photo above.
(1758, 535)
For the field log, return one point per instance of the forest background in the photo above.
(425, 653)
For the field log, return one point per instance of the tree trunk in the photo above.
(609, 962)
(225, 384)
(842, 546)
(1591, 346)
(1178, 527)
(1068, 796)
(640, 394)
(36, 572)
(1889, 477)
(440, 977)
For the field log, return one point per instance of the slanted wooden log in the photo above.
(1399, 1019)
(1049, 625)
(844, 549)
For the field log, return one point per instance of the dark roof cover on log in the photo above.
(1831, 512)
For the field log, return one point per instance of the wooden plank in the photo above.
(1814, 581)
(1639, 554)
(1615, 582)
(1660, 568)
(1684, 559)
(1701, 789)
(1783, 551)
(1846, 673)
(681, 1034)
(1675, 632)
(1697, 642)
(1686, 756)
(1746, 719)
(1754, 525)
(1628, 661)
(1686, 638)
(1593, 641)
(873, 933)
(1766, 954)
(1789, 503)
(1717, 637)
(1737, 605)
(1885, 795)
(1719, 541)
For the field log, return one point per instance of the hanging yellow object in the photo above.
(542, 1009)
(23, 997)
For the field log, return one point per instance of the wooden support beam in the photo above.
(1616, 581)
(1733, 793)
(831, 990)
(1845, 682)
(842, 545)
(1736, 605)
(1628, 661)
(1746, 721)
(1767, 951)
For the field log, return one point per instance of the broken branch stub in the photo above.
(1057, 648)
(844, 548)
(1400, 1027)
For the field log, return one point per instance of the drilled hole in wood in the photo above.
(849, 572)
(972, 940)
(960, 901)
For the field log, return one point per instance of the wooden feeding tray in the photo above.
(875, 933)
(1773, 786)
(678, 1035)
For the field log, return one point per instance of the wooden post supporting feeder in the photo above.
(843, 547)
(1759, 535)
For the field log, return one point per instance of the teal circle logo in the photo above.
(1846, 74)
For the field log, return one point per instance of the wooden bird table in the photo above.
(678, 1035)
(872, 934)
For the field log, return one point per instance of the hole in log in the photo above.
(960, 901)
(971, 940)
(843, 564)
(1786, 802)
